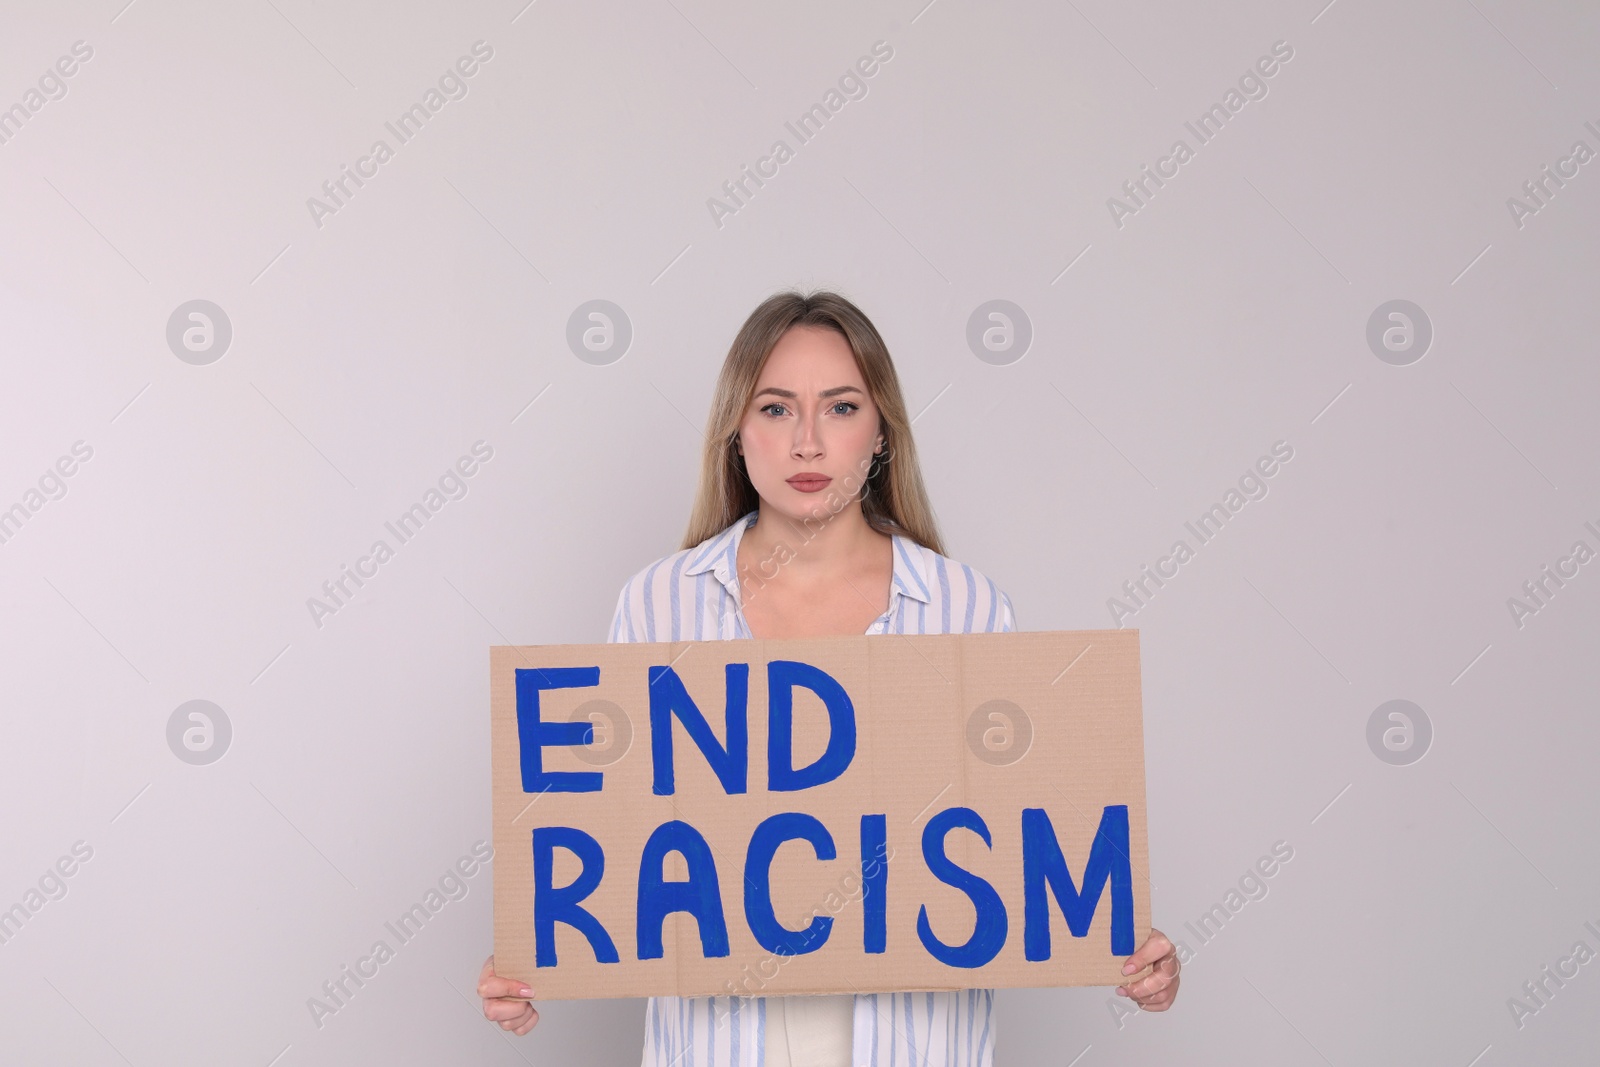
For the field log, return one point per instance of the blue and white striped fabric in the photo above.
(693, 595)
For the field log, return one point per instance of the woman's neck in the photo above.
(810, 547)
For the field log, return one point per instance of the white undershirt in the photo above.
(810, 1031)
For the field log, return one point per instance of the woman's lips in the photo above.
(810, 483)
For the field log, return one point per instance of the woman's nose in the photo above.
(806, 440)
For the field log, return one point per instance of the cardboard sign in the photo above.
(827, 815)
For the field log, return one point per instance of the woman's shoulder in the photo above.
(972, 600)
(658, 594)
(645, 588)
(673, 567)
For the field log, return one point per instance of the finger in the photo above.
(1147, 986)
(498, 988)
(1155, 946)
(1162, 1000)
(488, 979)
(522, 1023)
(506, 1012)
(494, 986)
(517, 1019)
(1161, 1003)
(1165, 997)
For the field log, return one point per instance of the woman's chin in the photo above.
(800, 507)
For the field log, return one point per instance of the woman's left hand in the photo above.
(1155, 991)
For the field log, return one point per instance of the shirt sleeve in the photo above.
(621, 630)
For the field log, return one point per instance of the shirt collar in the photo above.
(719, 554)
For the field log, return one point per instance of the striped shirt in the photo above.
(693, 595)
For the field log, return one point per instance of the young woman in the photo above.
(811, 520)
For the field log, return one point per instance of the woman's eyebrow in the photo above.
(791, 394)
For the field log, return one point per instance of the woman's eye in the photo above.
(769, 407)
(847, 405)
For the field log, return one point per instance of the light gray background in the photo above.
(1168, 354)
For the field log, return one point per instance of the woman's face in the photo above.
(810, 415)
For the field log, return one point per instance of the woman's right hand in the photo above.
(506, 1002)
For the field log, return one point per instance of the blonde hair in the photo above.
(895, 501)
